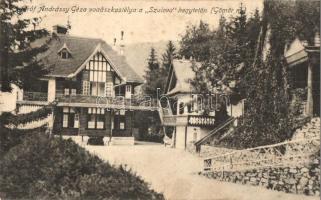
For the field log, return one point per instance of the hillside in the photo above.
(137, 54)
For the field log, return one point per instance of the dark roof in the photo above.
(81, 49)
(182, 69)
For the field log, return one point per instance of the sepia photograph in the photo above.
(160, 99)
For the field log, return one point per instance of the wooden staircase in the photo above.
(163, 112)
(213, 133)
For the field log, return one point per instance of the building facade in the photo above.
(93, 87)
(186, 111)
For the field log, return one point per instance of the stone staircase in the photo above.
(309, 130)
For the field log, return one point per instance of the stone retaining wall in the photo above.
(299, 180)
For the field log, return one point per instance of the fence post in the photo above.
(222, 178)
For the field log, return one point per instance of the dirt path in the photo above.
(174, 173)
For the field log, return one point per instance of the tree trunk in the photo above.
(309, 108)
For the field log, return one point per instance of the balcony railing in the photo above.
(191, 120)
(175, 120)
(118, 102)
(35, 96)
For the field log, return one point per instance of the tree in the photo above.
(268, 118)
(154, 80)
(18, 63)
(196, 42)
(231, 52)
(153, 76)
(19, 66)
(168, 56)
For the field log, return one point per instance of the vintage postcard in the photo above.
(178, 100)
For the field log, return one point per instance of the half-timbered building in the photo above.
(92, 84)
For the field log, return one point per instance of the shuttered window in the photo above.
(85, 87)
(109, 89)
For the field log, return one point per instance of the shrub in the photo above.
(44, 168)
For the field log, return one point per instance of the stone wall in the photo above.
(299, 180)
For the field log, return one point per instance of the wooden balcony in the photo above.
(118, 102)
(79, 100)
(35, 96)
(188, 120)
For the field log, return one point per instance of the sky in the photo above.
(157, 21)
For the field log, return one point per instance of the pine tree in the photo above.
(168, 56)
(154, 75)
(19, 66)
(17, 58)
(153, 63)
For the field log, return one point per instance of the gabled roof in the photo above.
(182, 71)
(81, 49)
(297, 52)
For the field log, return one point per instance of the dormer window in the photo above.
(64, 52)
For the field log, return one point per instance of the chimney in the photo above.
(121, 44)
(60, 29)
(115, 40)
(122, 35)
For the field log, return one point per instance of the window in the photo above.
(65, 120)
(128, 88)
(93, 88)
(128, 91)
(98, 67)
(119, 120)
(66, 91)
(97, 89)
(122, 125)
(70, 118)
(64, 54)
(76, 123)
(101, 89)
(181, 108)
(192, 104)
(73, 91)
(96, 118)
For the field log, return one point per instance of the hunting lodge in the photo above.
(95, 91)
(92, 84)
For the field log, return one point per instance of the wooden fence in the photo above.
(289, 153)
